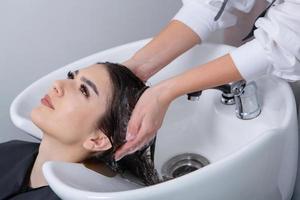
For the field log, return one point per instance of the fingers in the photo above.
(126, 149)
(143, 137)
(133, 127)
(132, 132)
(145, 120)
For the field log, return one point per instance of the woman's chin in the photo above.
(38, 119)
(37, 116)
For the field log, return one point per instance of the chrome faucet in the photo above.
(243, 95)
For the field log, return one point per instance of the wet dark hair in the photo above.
(126, 90)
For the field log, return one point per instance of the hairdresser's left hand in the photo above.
(146, 119)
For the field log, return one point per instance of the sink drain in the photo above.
(182, 164)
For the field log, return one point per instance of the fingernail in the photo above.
(119, 158)
(129, 136)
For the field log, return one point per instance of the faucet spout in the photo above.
(239, 93)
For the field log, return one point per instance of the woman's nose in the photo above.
(58, 88)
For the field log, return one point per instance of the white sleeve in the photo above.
(199, 14)
(274, 50)
(276, 47)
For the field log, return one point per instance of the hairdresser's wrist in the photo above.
(142, 69)
(167, 90)
(131, 64)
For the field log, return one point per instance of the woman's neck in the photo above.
(52, 150)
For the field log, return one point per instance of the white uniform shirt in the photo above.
(275, 48)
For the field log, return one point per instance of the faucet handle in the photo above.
(230, 90)
(246, 99)
(237, 88)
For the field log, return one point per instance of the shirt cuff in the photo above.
(251, 60)
(198, 18)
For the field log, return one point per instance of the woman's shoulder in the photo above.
(18, 146)
(44, 192)
(19, 143)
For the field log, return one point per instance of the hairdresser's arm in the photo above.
(146, 120)
(171, 42)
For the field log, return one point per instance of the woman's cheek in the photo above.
(77, 124)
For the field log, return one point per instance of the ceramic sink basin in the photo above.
(249, 159)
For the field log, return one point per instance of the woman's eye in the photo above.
(70, 75)
(84, 90)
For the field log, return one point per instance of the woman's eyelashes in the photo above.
(83, 89)
(70, 75)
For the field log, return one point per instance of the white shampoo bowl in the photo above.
(249, 159)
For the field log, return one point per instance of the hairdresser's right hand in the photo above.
(146, 119)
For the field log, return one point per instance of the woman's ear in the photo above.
(97, 141)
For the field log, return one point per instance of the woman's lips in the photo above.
(47, 101)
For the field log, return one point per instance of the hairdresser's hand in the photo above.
(146, 119)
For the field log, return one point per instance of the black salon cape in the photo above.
(16, 161)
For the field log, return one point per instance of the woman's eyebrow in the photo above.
(88, 82)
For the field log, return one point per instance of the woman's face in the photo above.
(77, 103)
